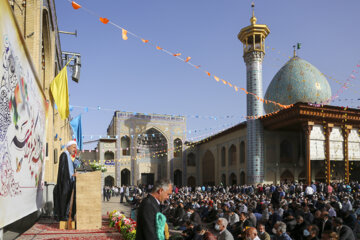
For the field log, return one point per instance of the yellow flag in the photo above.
(60, 92)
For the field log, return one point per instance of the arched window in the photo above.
(242, 152)
(208, 168)
(177, 148)
(178, 178)
(45, 51)
(109, 155)
(125, 145)
(242, 178)
(285, 152)
(302, 176)
(232, 179)
(286, 177)
(191, 181)
(223, 161)
(109, 181)
(223, 179)
(232, 155)
(191, 160)
(125, 177)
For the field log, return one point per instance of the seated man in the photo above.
(220, 226)
(238, 229)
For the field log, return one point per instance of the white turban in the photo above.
(72, 142)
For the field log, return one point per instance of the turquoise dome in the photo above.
(297, 81)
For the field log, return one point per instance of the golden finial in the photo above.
(253, 18)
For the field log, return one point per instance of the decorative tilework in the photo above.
(307, 83)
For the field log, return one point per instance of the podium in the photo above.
(88, 200)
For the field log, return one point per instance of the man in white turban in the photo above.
(65, 184)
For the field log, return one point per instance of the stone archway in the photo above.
(125, 177)
(242, 152)
(223, 179)
(178, 178)
(302, 177)
(109, 181)
(232, 179)
(125, 145)
(152, 146)
(208, 168)
(242, 178)
(232, 155)
(178, 148)
(286, 176)
(191, 160)
(191, 181)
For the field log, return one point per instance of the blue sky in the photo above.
(133, 76)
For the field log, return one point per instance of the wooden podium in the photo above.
(88, 200)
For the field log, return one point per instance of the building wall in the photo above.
(107, 146)
(276, 168)
(38, 24)
(134, 126)
(215, 147)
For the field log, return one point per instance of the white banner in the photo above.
(22, 125)
(317, 143)
(336, 145)
(354, 145)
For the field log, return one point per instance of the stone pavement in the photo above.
(114, 204)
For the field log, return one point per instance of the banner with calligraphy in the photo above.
(23, 111)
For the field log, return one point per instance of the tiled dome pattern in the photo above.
(297, 81)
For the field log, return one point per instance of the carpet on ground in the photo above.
(47, 228)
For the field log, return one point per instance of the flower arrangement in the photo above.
(95, 166)
(126, 226)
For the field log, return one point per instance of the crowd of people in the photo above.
(280, 212)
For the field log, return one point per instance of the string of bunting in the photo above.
(125, 33)
(161, 153)
(345, 86)
(157, 144)
(155, 135)
(135, 114)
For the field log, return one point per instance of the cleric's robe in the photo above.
(62, 191)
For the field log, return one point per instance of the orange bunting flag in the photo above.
(224, 82)
(198, 66)
(158, 48)
(236, 88)
(187, 59)
(75, 5)
(176, 54)
(145, 41)
(243, 89)
(124, 34)
(104, 20)
(208, 74)
(230, 84)
(216, 78)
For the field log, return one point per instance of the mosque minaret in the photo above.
(253, 39)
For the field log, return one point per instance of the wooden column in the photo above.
(327, 131)
(307, 127)
(346, 131)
